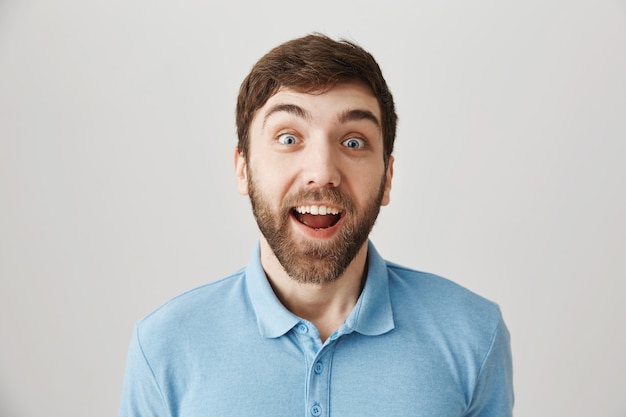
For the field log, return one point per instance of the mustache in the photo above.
(331, 196)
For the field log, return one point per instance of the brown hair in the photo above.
(314, 63)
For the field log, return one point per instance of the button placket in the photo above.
(318, 358)
(319, 381)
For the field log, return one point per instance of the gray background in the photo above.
(117, 189)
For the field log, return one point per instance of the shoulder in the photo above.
(218, 304)
(450, 324)
(430, 287)
(428, 307)
(431, 300)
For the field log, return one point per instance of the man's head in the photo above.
(313, 64)
(316, 129)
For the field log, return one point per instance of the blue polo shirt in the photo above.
(415, 344)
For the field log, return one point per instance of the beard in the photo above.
(315, 261)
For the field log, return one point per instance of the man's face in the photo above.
(316, 178)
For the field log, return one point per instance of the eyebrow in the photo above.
(287, 108)
(358, 114)
(344, 117)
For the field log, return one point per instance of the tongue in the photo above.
(318, 221)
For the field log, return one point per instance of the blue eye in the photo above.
(354, 143)
(288, 139)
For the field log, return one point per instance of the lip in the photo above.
(317, 233)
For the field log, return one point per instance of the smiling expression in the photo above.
(316, 177)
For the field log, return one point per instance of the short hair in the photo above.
(312, 64)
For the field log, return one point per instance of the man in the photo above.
(318, 324)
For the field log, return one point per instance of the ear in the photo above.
(389, 175)
(241, 172)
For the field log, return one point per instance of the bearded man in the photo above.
(318, 323)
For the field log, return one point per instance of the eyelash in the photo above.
(361, 141)
(295, 140)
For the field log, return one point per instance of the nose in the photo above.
(320, 165)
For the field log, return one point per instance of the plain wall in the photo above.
(117, 189)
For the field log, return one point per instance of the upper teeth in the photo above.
(317, 210)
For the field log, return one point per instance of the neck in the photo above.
(325, 305)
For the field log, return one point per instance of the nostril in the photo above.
(327, 185)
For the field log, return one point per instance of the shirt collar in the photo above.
(272, 317)
(372, 315)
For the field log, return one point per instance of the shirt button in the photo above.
(302, 328)
(316, 410)
(318, 368)
(333, 336)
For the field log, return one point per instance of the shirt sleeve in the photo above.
(493, 394)
(141, 395)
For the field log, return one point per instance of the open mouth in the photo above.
(317, 216)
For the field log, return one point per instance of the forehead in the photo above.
(341, 98)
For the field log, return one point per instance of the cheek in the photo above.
(368, 179)
(278, 175)
(270, 184)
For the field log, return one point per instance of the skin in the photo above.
(301, 142)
